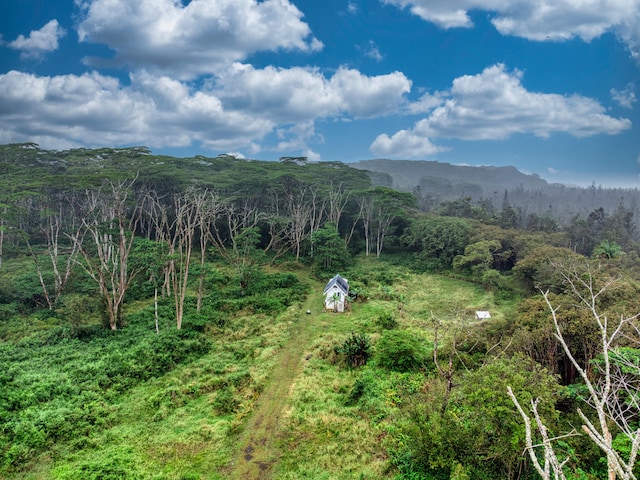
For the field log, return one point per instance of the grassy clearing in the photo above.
(328, 431)
(444, 297)
(270, 398)
(324, 437)
(259, 451)
(181, 425)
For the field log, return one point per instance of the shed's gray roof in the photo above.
(338, 281)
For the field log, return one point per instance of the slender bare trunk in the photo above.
(610, 387)
(43, 285)
(2, 227)
(155, 308)
(107, 261)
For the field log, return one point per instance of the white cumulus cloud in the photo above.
(231, 112)
(425, 103)
(197, 38)
(302, 94)
(538, 19)
(362, 96)
(93, 109)
(625, 97)
(404, 144)
(494, 105)
(40, 41)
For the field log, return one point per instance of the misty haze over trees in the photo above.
(491, 188)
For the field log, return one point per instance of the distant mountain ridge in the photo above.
(436, 182)
(448, 180)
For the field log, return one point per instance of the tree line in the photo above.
(122, 214)
(118, 214)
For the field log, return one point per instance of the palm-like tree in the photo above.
(607, 249)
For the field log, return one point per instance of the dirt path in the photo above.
(258, 450)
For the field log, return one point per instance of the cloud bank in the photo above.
(168, 37)
(187, 79)
(538, 20)
(494, 105)
(233, 111)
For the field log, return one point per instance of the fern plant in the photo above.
(355, 350)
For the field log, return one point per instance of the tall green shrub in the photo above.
(399, 350)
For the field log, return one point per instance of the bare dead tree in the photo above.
(236, 235)
(110, 223)
(317, 213)
(339, 197)
(62, 266)
(157, 211)
(49, 223)
(384, 218)
(611, 394)
(43, 284)
(624, 405)
(208, 209)
(551, 467)
(55, 225)
(304, 211)
(277, 241)
(181, 236)
(366, 210)
(447, 372)
(355, 221)
(234, 221)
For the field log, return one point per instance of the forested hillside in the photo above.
(492, 187)
(163, 318)
(452, 180)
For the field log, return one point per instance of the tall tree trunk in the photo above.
(2, 235)
(200, 282)
(43, 285)
(107, 260)
(155, 308)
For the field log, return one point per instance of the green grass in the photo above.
(172, 425)
(269, 399)
(326, 437)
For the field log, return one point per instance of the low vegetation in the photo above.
(168, 326)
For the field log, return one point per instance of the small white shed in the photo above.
(335, 294)
(482, 315)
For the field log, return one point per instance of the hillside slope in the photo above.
(450, 181)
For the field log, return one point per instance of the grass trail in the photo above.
(258, 445)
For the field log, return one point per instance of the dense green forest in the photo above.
(163, 318)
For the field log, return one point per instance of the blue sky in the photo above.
(548, 86)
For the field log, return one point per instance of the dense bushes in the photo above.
(386, 321)
(120, 463)
(267, 293)
(473, 430)
(436, 241)
(400, 350)
(58, 388)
